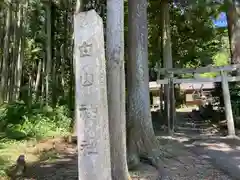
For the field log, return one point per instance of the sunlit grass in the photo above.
(11, 149)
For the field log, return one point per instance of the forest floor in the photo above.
(56, 159)
(53, 159)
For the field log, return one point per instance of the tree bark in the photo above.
(116, 88)
(4, 75)
(37, 82)
(20, 55)
(64, 49)
(42, 79)
(49, 48)
(2, 24)
(63, 58)
(79, 6)
(233, 18)
(12, 63)
(55, 56)
(141, 140)
(229, 22)
(167, 62)
(234, 29)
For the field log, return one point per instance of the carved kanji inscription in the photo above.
(88, 147)
(85, 49)
(87, 76)
(88, 111)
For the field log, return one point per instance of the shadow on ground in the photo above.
(58, 160)
(64, 167)
(221, 152)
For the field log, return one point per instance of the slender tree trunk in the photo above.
(63, 58)
(167, 62)
(20, 54)
(37, 82)
(229, 23)
(2, 25)
(64, 50)
(4, 75)
(116, 88)
(43, 80)
(54, 56)
(29, 98)
(141, 140)
(49, 49)
(233, 18)
(17, 35)
(234, 29)
(54, 84)
(19, 68)
(78, 8)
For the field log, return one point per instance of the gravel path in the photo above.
(181, 164)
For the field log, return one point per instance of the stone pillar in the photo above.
(91, 98)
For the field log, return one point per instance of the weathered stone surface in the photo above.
(91, 97)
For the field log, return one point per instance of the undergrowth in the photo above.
(21, 125)
(19, 122)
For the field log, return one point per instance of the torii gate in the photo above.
(224, 79)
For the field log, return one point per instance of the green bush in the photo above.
(235, 101)
(19, 122)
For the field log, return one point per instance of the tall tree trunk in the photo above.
(63, 58)
(78, 8)
(43, 79)
(63, 49)
(20, 55)
(4, 75)
(233, 18)
(49, 48)
(116, 88)
(167, 61)
(2, 25)
(234, 29)
(16, 42)
(54, 56)
(141, 140)
(229, 5)
(37, 82)
(29, 97)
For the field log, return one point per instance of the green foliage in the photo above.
(195, 40)
(19, 122)
(219, 59)
(235, 99)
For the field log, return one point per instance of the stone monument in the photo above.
(91, 98)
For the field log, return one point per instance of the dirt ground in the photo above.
(58, 160)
